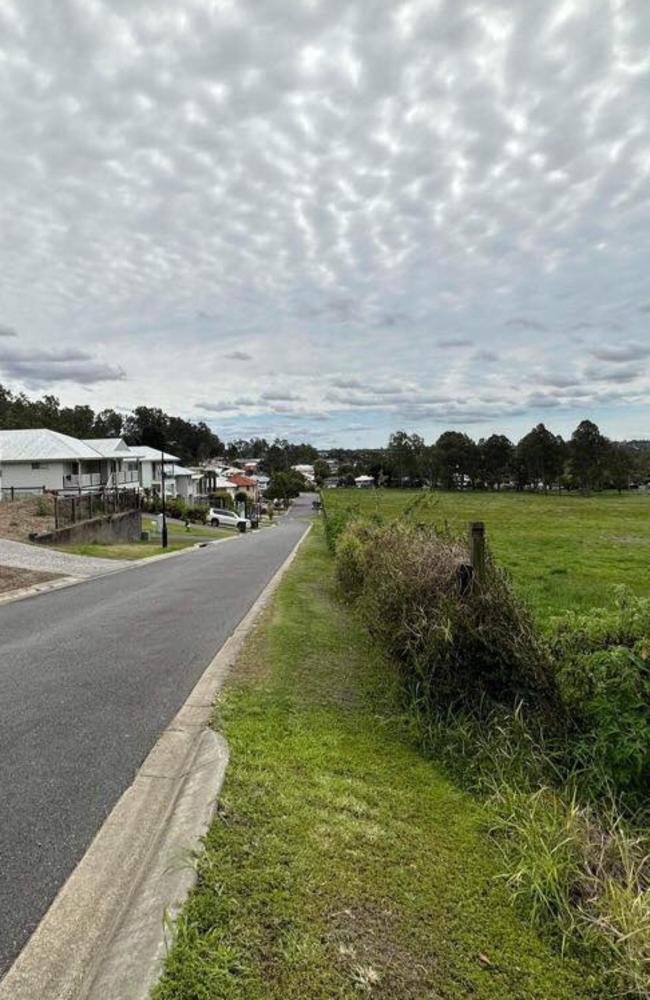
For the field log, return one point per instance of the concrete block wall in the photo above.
(109, 530)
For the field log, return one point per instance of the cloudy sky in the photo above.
(329, 219)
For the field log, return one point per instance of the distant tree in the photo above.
(285, 485)
(620, 466)
(404, 456)
(540, 457)
(456, 457)
(321, 470)
(107, 424)
(588, 450)
(78, 421)
(496, 459)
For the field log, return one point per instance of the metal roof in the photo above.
(43, 445)
(109, 447)
(150, 454)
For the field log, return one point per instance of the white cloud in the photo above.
(345, 195)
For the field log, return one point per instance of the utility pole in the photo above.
(162, 490)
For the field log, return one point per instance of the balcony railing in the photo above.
(84, 481)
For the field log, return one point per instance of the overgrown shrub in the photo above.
(603, 674)
(452, 648)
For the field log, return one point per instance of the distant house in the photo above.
(244, 484)
(150, 463)
(364, 482)
(37, 459)
(305, 470)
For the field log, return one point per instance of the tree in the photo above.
(620, 466)
(321, 471)
(285, 485)
(540, 456)
(404, 456)
(456, 457)
(107, 424)
(496, 459)
(588, 451)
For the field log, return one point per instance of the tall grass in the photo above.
(554, 730)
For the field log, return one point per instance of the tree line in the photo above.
(193, 442)
(540, 460)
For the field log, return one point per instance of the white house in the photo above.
(120, 467)
(364, 482)
(305, 470)
(36, 459)
(150, 461)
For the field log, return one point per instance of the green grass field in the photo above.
(342, 863)
(564, 552)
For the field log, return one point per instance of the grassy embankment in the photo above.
(342, 862)
(564, 552)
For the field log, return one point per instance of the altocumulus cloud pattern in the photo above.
(329, 218)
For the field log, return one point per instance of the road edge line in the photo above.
(104, 933)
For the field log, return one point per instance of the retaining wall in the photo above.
(125, 527)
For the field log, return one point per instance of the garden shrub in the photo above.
(222, 498)
(196, 512)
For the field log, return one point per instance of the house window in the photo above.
(39, 465)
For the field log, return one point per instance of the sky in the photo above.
(328, 220)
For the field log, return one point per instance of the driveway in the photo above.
(90, 675)
(45, 560)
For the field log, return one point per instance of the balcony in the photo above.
(82, 482)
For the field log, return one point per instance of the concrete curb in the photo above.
(104, 934)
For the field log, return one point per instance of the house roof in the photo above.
(178, 470)
(43, 445)
(109, 447)
(150, 454)
(240, 480)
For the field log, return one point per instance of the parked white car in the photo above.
(219, 517)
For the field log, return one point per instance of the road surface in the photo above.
(89, 677)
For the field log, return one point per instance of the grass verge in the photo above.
(342, 863)
(128, 550)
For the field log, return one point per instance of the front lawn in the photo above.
(342, 863)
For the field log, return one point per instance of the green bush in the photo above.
(626, 623)
(196, 513)
(222, 498)
(452, 648)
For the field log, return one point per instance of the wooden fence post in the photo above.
(477, 549)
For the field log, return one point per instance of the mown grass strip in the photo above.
(342, 863)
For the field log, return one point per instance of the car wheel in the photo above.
(215, 522)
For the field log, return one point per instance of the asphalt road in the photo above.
(89, 677)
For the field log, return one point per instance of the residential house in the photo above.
(364, 482)
(244, 484)
(305, 470)
(150, 463)
(39, 459)
(120, 467)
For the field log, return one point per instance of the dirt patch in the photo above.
(12, 578)
(20, 518)
(368, 950)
